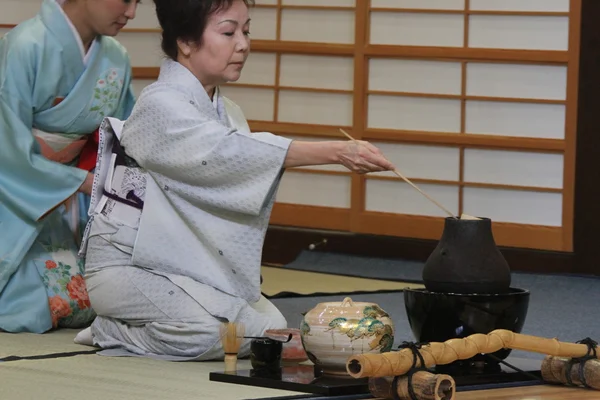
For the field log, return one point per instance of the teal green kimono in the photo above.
(46, 86)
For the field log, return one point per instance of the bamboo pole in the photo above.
(400, 362)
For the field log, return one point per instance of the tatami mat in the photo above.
(277, 280)
(94, 377)
(30, 344)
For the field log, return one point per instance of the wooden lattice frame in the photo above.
(355, 219)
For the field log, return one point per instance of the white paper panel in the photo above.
(139, 84)
(412, 29)
(322, 3)
(145, 17)
(413, 113)
(259, 69)
(398, 197)
(319, 26)
(143, 48)
(256, 104)
(315, 108)
(16, 11)
(264, 23)
(268, 2)
(420, 161)
(514, 168)
(314, 189)
(423, 4)
(517, 81)
(517, 206)
(519, 32)
(3, 31)
(520, 5)
(516, 119)
(317, 71)
(417, 76)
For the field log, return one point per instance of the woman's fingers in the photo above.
(362, 157)
(375, 157)
(361, 165)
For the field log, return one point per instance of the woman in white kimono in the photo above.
(60, 74)
(183, 196)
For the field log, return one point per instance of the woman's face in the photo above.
(224, 48)
(108, 17)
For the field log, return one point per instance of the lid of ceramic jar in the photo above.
(347, 303)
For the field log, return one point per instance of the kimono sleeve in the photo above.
(201, 160)
(30, 184)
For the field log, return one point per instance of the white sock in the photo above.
(85, 337)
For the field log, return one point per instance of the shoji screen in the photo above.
(474, 100)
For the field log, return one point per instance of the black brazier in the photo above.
(467, 260)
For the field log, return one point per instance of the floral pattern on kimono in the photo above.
(62, 274)
(107, 92)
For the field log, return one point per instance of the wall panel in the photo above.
(515, 206)
(416, 29)
(473, 100)
(435, 77)
(325, 190)
(257, 104)
(389, 196)
(523, 81)
(521, 5)
(515, 119)
(420, 4)
(519, 32)
(422, 162)
(304, 71)
(315, 108)
(544, 170)
(413, 113)
(317, 26)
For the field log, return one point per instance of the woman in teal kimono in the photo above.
(61, 73)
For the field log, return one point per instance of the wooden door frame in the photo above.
(283, 244)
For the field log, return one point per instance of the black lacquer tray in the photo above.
(308, 379)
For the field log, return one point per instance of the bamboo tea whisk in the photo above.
(232, 335)
(408, 181)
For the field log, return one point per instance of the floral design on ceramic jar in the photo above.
(334, 331)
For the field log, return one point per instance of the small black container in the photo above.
(265, 354)
(437, 317)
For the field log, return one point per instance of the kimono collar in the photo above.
(175, 73)
(57, 22)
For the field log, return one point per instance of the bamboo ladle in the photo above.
(464, 216)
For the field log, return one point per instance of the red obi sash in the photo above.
(89, 153)
(85, 148)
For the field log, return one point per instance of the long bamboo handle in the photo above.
(400, 362)
(407, 181)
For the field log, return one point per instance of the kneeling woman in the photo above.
(184, 194)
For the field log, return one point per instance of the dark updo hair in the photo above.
(186, 20)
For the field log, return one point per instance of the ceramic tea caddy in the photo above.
(333, 331)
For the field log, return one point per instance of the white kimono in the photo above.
(208, 186)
